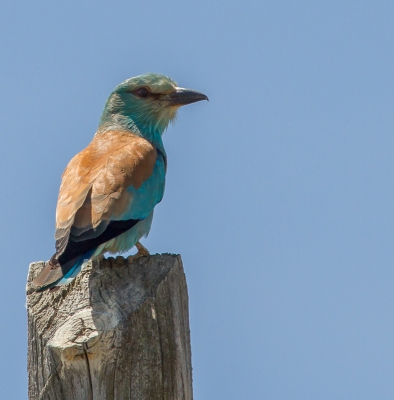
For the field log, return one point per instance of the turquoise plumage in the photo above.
(110, 189)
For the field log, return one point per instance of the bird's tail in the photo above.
(74, 270)
(55, 275)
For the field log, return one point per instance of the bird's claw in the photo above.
(142, 252)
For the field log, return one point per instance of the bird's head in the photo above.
(146, 102)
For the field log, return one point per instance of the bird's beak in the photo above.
(182, 96)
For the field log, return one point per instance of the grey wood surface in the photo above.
(120, 330)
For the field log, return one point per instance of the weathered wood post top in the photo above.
(119, 331)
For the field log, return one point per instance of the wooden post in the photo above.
(119, 331)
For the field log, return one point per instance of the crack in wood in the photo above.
(85, 347)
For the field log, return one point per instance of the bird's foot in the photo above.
(142, 252)
(99, 258)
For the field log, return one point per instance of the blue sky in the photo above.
(279, 193)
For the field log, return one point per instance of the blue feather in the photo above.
(75, 269)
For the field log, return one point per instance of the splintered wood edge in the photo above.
(35, 268)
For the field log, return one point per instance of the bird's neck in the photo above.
(151, 132)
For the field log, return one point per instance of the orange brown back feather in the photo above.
(93, 189)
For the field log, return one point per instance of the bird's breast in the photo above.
(149, 194)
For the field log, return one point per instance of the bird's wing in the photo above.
(93, 195)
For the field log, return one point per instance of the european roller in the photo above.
(109, 190)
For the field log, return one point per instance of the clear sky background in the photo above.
(280, 190)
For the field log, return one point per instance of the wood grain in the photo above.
(118, 331)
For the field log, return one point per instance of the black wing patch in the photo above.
(67, 249)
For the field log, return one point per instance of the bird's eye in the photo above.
(142, 92)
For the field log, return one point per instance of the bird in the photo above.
(109, 190)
